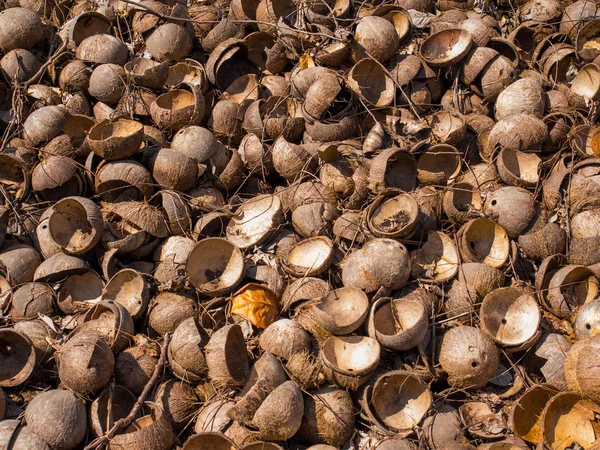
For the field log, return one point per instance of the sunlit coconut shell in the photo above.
(57, 177)
(226, 358)
(587, 84)
(41, 336)
(350, 360)
(18, 358)
(446, 47)
(462, 202)
(102, 49)
(568, 419)
(58, 267)
(58, 417)
(135, 365)
(148, 73)
(19, 65)
(556, 65)
(314, 219)
(75, 224)
(328, 417)
(215, 266)
(439, 165)
(444, 427)
(130, 289)
(474, 63)
(369, 80)
(494, 78)
(524, 96)
(280, 414)
(302, 289)
(196, 142)
(448, 127)
(15, 176)
(32, 299)
(468, 356)
(116, 139)
(482, 240)
(152, 428)
(526, 414)
(437, 259)
(510, 316)
(213, 416)
(588, 320)
(393, 168)
(169, 42)
(109, 407)
(186, 356)
(348, 227)
(44, 124)
(291, 161)
(262, 445)
(365, 269)
(178, 401)
(111, 321)
(341, 311)
(212, 224)
(209, 441)
(375, 37)
(173, 170)
(107, 83)
(569, 288)
(86, 363)
(178, 108)
(393, 214)
(284, 338)
(255, 221)
(398, 324)
(21, 28)
(189, 72)
(140, 216)
(310, 257)
(168, 310)
(587, 41)
(512, 208)
(401, 400)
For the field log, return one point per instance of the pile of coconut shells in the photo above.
(299, 224)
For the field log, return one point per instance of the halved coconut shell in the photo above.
(510, 317)
(209, 441)
(215, 266)
(462, 202)
(75, 224)
(109, 407)
(153, 427)
(310, 257)
(568, 419)
(526, 414)
(437, 260)
(518, 168)
(482, 240)
(439, 165)
(446, 47)
(116, 139)
(178, 108)
(341, 311)
(17, 360)
(255, 221)
(401, 400)
(393, 214)
(369, 80)
(350, 359)
(129, 288)
(569, 288)
(227, 358)
(398, 324)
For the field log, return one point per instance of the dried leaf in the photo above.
(306, 61)
(257, 304)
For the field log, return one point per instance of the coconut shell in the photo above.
(178, 401)
(280, 415)
(20, 438)
(328, 417)
(19, 65)
(107, 83)
(469, 357)
(340, 365)
(20, 262)
(168, 310)
(134, 367)
(101, 418)
(227, 358)
(44, 124)
(21, 28)
(444, 427)
(150, 432)
(102, 49)
(86, 363)
(18, 358)
(285, 338)
(58, 417)
(178, 108)
(186, 356)
(524, 96)
(33, 299)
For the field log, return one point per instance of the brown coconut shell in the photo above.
(215, 266)
(468, 356)
(19, 358)
(482, 240)
(75, 224)
(107, 83)
(152, 431)
(116, 139)
(134, 367)
(109, 407)
(20, 438)
(526, 414)
(341, 365)
(186, 356)
(178, 108)
(328, 417)
(178, 401)
(569, 288)
(58, 417)
(21, 28)
(32, 299)
(130, 289)
(86, 363)
(446, 47)
(284, 338)
(168, 310)
(227, 358)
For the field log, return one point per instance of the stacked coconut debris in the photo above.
(321, 224)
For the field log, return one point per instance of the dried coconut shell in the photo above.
(134, 367)
(227, 358)
(146, 432)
